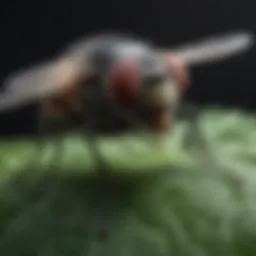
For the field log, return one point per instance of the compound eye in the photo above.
(124, 81)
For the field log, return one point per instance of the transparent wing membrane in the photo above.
(37, 82)
(214, 48)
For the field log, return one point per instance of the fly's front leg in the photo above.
(100, 162)
(49, 127)
(94, 120)
(40, 142)
(91, 138)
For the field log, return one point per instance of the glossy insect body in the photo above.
(129, 83)
(111, 83)
(115, 77)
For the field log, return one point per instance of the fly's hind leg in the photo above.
(194, 136)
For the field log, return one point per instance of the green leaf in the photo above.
(130, 153)
(156, 199)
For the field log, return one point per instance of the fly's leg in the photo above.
(40, 142)
(194, 137)
(49, 128)
(93, 122)
(53, 128)
(91, 138)
(101, 164)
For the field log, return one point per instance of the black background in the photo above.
(32, 30)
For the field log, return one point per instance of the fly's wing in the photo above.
(37, 82)
(213, 49)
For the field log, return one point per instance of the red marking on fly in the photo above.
(124, 79)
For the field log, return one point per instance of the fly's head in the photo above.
(160, 93)
(135, 78)
(145, 86)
